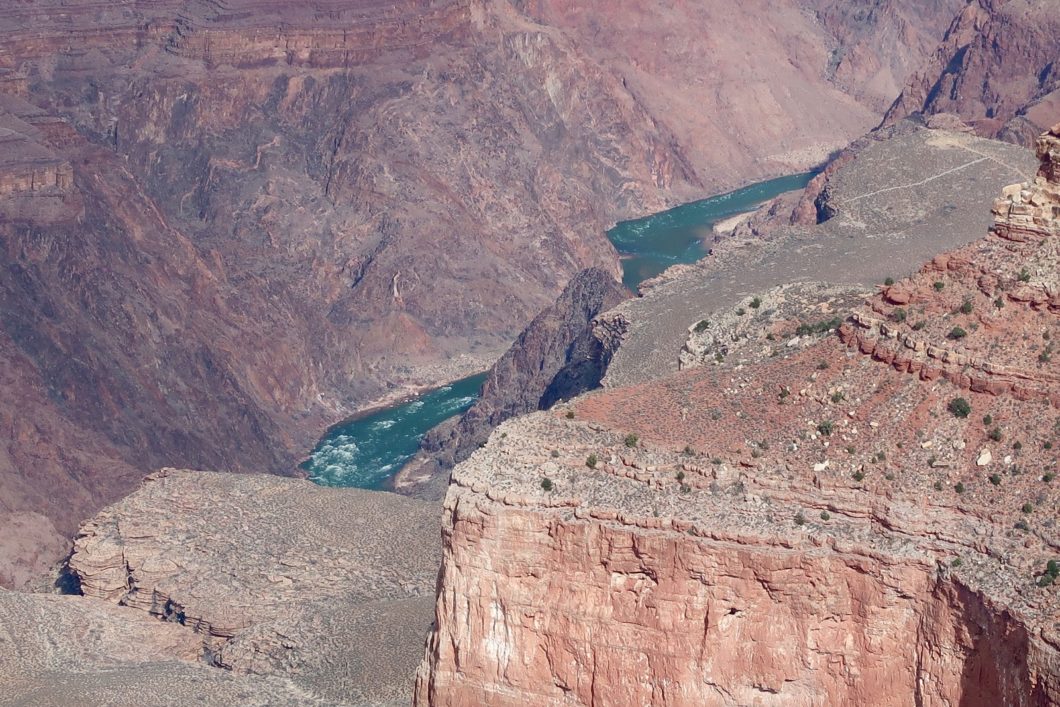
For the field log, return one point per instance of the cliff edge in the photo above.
(861, 511)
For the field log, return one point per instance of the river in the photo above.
(368, 450)
(653, 243)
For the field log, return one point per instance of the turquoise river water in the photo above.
(651, 244)
(368, 450)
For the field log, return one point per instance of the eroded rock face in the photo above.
(61, 650)
(330, 588)
(996, 68)
(806, 525)
(226, 227)
(563, 352)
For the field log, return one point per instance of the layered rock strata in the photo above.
(806, 525)
(226, 226)
(62, 650)
(996, 67)
(330, 588)
(905, 195)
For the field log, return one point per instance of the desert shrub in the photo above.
(591, 461)
(959, 407)
(631, 440)
(546, 484)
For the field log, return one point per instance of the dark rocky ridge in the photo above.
(562, 353)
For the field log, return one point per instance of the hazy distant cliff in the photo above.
(998, 68)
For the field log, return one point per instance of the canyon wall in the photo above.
(996, 68)
(226, 226)
(563, 352)
(851, 509)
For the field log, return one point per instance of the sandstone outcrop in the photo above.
(226, 226)
(564, 351)
(328, 588)
(804, 526)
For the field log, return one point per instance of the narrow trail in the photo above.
(922, 182)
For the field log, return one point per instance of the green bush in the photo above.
(888, 281)
(701, 326)
(570, 414)
(591, 461)
(631, 440)
(966, 307)
(939, 285)
(825, 427)
(825, 515)
(1027, 508)
(756, 303)
(956, 333)
(546, 484)
(959, 407)
(959, 488)
(820, 327)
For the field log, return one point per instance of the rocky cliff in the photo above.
(563, 352)
(996, 67)
(330, 589)
(865, 517)
(225, 226)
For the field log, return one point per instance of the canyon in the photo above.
(227, 226)
(849, 506)
(816, 467)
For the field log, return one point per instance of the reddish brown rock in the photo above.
(852, 544)
(225, 226)
(996, 69)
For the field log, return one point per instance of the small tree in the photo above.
(631, 440)
(591, 460)
(546, 484)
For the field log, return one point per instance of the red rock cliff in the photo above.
(861, 519)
